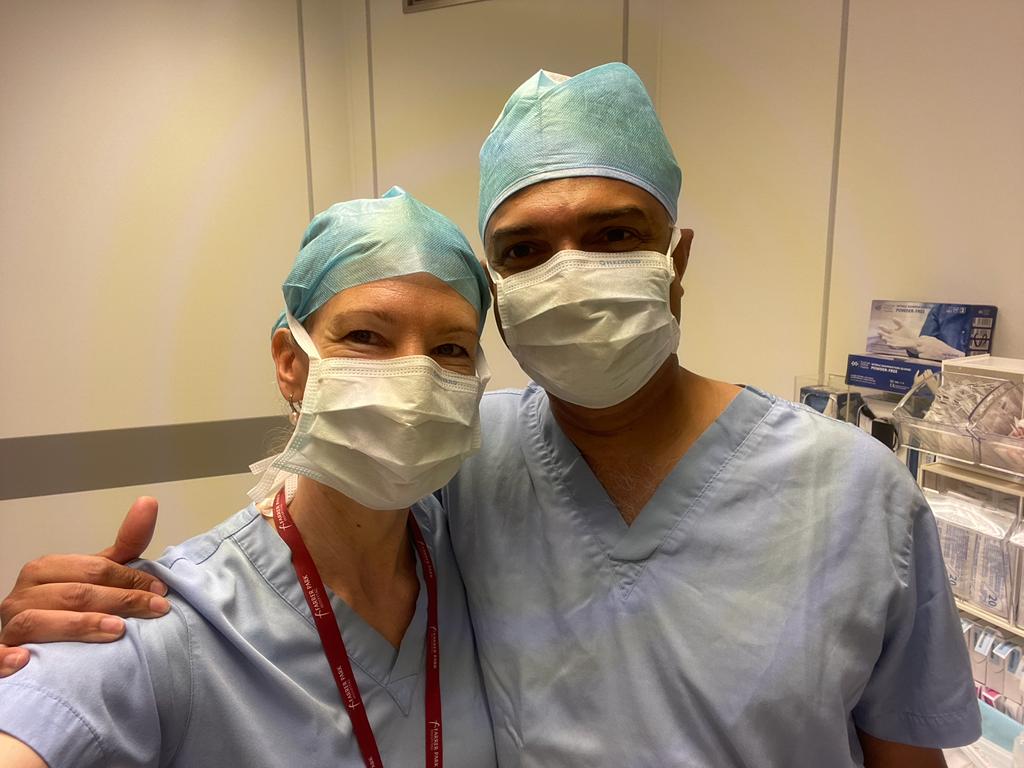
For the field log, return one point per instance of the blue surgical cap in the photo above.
(599, 123)
(360, 241)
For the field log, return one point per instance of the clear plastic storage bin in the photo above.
(998, 423)
(933, 416)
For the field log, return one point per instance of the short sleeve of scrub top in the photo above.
(236, 675)
(782, 588)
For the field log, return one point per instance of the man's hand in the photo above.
(79, 597)
(879, 753)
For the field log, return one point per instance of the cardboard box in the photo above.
(930, 330)
(890, 374)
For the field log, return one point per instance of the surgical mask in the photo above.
(591, 328)
(383, 432)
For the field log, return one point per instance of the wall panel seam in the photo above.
(826, 296)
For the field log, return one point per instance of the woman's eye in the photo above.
(361, 337)
(451, 350)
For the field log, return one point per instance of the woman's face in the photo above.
(410, 315)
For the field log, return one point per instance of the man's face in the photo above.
(587, 213)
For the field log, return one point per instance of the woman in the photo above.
(377, 355)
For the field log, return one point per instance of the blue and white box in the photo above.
(930, 330)
(890, 374)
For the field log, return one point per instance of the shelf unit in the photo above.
(993, 480)
(989, 618)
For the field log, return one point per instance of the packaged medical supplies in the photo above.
(930, 330)
(978, 516)
(908, 338)
(973, 412)
(974, 536)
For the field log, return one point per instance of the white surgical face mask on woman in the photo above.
(591, 328)
(383, 432)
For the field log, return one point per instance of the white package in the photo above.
(974, 538)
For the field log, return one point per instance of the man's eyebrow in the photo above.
(617, 213)
(523, 230)
(608, 214)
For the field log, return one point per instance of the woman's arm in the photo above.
(15, 754)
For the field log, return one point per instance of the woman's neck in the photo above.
(364, 555)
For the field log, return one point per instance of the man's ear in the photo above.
(290, 363)
(681, 255)
(680, 258)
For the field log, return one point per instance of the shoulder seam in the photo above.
(191, 682)
(200, 560)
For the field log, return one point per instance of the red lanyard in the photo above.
(334, 647)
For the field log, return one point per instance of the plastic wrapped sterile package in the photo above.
(1017, 544)
(975, 545)
(998, 423)
(934, 415)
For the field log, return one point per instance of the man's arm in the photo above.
(879, 753)
(79, 597)
(15, 754)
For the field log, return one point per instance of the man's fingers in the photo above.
(79, 597)
(93, 569)
(136, 531)
(12, 659)
(35, 626)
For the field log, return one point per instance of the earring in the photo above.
(293, 417)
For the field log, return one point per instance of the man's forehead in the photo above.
(574, 201)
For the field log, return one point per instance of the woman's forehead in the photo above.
(419, 299)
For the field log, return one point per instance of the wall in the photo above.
(931, 174)
(167, 156)
(152, 190)
(160, 189)
(747, 93)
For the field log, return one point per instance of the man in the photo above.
(663, 569)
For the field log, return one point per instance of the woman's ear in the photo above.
(291, 365)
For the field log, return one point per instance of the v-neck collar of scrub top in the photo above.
(396, 671)
(627, 546)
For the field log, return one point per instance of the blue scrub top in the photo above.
(783, 587)
(235, 674)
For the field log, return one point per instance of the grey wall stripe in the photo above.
(826, 294)
(373, 108)
(305, 109)
(86, 461)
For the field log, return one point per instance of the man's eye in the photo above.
(518, 251)
(451, 350)
(618, 234)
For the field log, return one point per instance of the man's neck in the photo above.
(364, 555)
(632, 446)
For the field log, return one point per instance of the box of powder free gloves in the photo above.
(889, 374)
(930, 330)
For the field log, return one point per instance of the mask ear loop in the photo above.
(300, 336)
(677, 235)
(483, 370)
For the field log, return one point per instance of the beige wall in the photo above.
(153, 192)
(154, 186)
(747, 95)
(441, 78)
(931, 176)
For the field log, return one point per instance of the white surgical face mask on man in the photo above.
(383, 432)
(591, 328)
